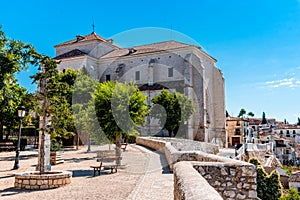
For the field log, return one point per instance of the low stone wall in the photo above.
(152, 143)
(190, 145)
(34, 181)
(189, 184)
(173, 155)
(232, 179)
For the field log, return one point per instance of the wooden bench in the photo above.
(107, 160)
(7, 146)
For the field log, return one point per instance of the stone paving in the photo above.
(145, 177)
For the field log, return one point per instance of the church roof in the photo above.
(149, 48)
(70, 54)
(295, 177)
(80, 38)
(155, 86)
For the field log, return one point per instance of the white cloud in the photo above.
(287, 82)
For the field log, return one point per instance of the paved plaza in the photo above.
(145, 176)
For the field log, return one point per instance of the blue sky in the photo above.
(256, 43)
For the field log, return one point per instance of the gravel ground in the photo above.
(145, 176)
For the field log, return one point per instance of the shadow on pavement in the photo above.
(77, 160)
(22, 157)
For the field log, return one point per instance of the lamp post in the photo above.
(21, 114)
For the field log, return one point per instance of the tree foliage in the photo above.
(119, 107)
(56, 91)
(84, 108)
(298, 121)
(14, 57)
(242, 112)
(291, 195)
(264, 119)
(251, 114)
(268, 185)
(178, 109)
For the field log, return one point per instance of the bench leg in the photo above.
(97, 169)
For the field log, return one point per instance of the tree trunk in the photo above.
(1, 132)
(170, 133)
(118, 146)
(7, 134)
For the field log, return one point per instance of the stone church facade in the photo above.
(171, 65)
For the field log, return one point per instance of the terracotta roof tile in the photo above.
(73, 53)
(80, 38)
(155, 86)
(149, 48)
(295, 177)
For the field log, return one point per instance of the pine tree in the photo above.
(264, 120)
(268, 185)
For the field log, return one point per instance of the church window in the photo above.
(137, 75)
(287, 133)
(170, 72)
(107, 77)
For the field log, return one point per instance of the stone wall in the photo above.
(191, 145)
(173, 155)
(189, 184)
(232, 179)
(35, 181)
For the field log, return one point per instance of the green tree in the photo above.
(227, 115)
(119, 107)
(298, 123)
(242, 112)
(291, 195)
(274, 186)
(251, 114)
(57, 88)
(268, 185)
(14, 57)
(264, 119)
(178, 109)
(84, 108)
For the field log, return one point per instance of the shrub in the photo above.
(56, 145)
(131, 139)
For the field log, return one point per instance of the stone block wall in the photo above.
(231, 180)
(35, 181)
(189, 184)
(173, 155)
(191, 145)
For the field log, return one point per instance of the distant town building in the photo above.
(294, 181)
(237, 130)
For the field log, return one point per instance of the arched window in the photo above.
(294, 133)
(287, 133)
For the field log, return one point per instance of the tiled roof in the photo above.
(80, 38)
(295, 177)
(73, 53)
(149, 48)
(155, 86)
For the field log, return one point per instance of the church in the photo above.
(152, 67)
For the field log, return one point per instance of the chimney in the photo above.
(79, 37)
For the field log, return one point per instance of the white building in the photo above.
(171, 65)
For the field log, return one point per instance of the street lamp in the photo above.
(21, 114)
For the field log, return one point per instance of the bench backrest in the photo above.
(108, 155)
